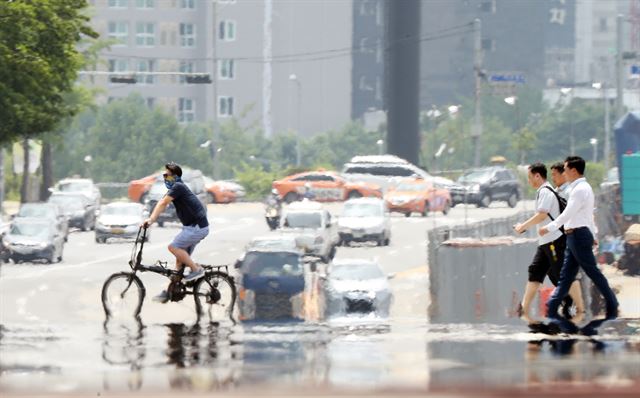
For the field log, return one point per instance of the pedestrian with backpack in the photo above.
(579, 226)
(549, 255)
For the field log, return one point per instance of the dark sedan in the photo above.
(486, 185)
(79, 210)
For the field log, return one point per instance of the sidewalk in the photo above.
(627, 288)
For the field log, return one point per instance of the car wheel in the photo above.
(425, 211)
(354, 195)
(485, 201)
(290, 197)
(407, 214)
(212, 198)
(143, 198)
(446, 208)
(513, 200)
(161, 224)
(332, 253)
(387, 241)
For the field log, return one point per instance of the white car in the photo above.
(84, 186)
(365, 219)
(356, 286)
(311, 225)
(119, 220)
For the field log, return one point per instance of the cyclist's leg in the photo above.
(184, 243)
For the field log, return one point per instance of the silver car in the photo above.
(355, 286)
(365, 219)
(46, 211)
(119, 220)
(29, 239)
(311, 225)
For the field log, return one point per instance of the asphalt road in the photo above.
(53, 338)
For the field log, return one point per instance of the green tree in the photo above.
(39, 60)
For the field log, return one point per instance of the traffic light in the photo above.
(123, 79)
(198, 79)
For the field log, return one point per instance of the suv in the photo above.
(387, 171)
(84, 186)
(313, 228)
(192, 178)
(485, 185)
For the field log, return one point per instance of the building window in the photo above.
(118, 65)
(226, 69)
(151, 102)
(145, 66)
(488, 6)
(145, 3)
(188, 4)
(145, 34)
(185, 67)
(119, 31)
(226, 1)
(227, 30)
(186, 110)
(118, 3)
(187, 35)
(603, 25)
(488, 45)
(225, 106)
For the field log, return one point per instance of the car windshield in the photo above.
(475, 176)
(30, 230)
(270, 264)
(74, 186)
(303, 220)
(273, 243)
(356, 272)
(36, 211)
(69, 202)
(121, 211)
(362, 210)
(411, 187)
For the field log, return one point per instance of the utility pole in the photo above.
(619, 67)
(607, 128)
(215, 142)
(476, 131)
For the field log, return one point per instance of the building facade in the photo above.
(275, 65)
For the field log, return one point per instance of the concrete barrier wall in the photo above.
(475, 280)
(478, 272)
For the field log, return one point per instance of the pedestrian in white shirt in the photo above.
(559, 180)
(549, 256)
(577, 219)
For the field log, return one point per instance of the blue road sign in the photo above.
(635, 69)
(507, 78)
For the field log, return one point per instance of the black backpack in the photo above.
(562, 203)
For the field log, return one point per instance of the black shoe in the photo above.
(567, 307)
(612, 313)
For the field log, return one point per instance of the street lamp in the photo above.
(294, 78)
(564, 91)
(513, 101)
(607, 123)
(594, 144)
(380, 144)
(87, 161)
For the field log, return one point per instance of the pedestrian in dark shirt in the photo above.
(193, 216)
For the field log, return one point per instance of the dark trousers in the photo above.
(579, 254)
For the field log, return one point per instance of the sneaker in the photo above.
(194, 275)
(162, 298)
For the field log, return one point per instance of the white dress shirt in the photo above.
(546, 202)
(563, 190)
(579, 210)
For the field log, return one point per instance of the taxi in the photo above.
(325, 186)
(418, 196)
(138, 189)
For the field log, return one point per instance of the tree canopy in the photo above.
(39, 60)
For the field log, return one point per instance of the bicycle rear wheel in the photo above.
(122, 294)
(215, 296)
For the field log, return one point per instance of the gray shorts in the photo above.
(189, 237)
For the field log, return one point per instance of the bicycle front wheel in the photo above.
(215, 296)
(122, 294)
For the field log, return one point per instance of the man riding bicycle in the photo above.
(193, 216)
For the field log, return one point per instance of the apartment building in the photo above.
(279, 65)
